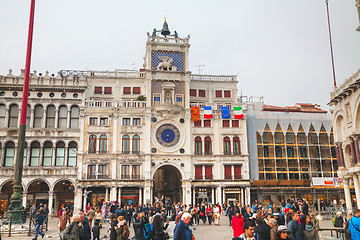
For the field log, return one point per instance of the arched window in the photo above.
(38, 116)
(92, 144)
(227, 146)
(102, 144)
(125, 144)
(60, 154)
(13, 116)
(198, 147)
(28, 113)
(237, 149)
(35, 154)
(74, 117)
(62, 117)
(72, 154)
(50, 117)
(207, 145)
(47, 154)
(2, 115)
(9, 154)
(136, 144)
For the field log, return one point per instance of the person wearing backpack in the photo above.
(354, 225)
(122, 229)
(96, 230)
(75, 230)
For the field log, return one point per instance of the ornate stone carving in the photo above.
(166, 63)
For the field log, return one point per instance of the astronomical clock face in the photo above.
(167, 135)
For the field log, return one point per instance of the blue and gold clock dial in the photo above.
(167, 135)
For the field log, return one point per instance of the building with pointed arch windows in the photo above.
(292, 152)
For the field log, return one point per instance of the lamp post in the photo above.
(15, 208)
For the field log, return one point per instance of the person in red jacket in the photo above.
(237, 224)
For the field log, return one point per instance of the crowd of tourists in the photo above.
(290, 220)
(146, 221)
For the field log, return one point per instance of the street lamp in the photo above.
(15, 208)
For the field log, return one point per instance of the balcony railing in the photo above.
(118, 104)
(130, 176)
(100, 176)
(237, 176)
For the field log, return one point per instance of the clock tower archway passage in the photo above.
(167, 183)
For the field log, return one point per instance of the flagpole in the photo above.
(15, 208)
(331, 47)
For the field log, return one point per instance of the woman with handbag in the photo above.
(209, 213)
(202, 213)
(158, 229)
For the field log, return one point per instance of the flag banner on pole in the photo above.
(208, 112)
(238, 113)
(195, 114)
(225, 112)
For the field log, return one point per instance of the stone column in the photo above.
(56, 117)
(106, 194)
(340, 156)
(113, 194)
(24, 198)
(147, 193)
(68, 119)
(347, 194)
(193, 196)
(218, 195)
(357, 151)
(140, 196)
(7, 115)
(32, 114)
(114, 140)
(212, 195)
(247, 196)
(28, 154)
(119, 195)
(357, 189)
(41, 154)
(77, 199)
(242, 196)
(223, 194)
(187, 194)
(51, 199)
(53, 162)
(84, 200)
(2, 155)
(43, 125)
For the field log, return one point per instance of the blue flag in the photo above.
(225, 112)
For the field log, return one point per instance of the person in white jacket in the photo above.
(217, 214)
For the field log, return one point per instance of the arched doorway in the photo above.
(167, 183)
(5, 195)
(63, 195)
(38, 192)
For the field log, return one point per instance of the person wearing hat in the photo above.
(282, 233)
(274, 228)
(338, 220)
(237, 224)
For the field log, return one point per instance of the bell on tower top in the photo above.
(165, 29)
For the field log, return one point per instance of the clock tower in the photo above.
(167, 80)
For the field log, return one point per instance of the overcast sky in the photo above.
(278, 48)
